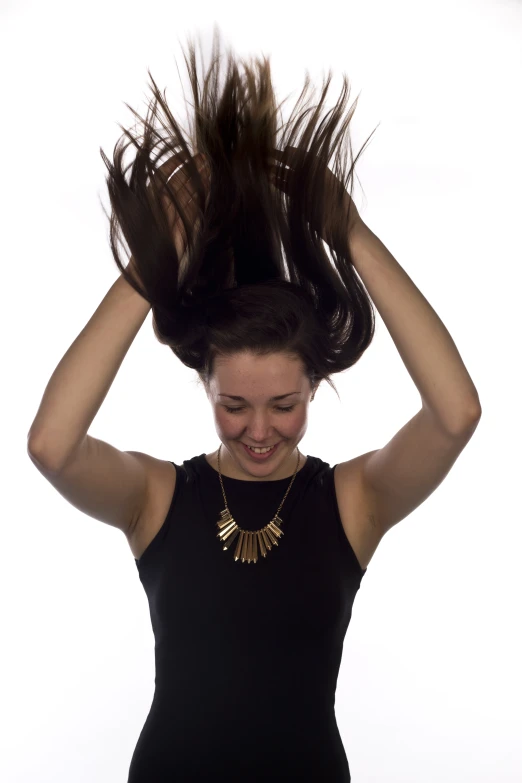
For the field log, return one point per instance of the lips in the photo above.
(262, 456)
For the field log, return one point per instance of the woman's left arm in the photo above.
(423, 342)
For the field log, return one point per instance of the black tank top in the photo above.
(247, 654)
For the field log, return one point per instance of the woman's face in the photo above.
(256, 419)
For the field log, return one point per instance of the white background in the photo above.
(430, 685)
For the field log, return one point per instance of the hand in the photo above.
(182, 182)
(343, 210)
(133, 271)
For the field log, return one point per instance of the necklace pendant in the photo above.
(227, 529)
(248, 540)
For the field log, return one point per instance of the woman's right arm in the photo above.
(84, 375)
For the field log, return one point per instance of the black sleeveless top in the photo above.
(247, 654)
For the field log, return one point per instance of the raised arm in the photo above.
(84, 375)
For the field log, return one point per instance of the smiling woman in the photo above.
(259, 312)
(251, 562)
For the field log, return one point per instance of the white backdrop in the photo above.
(430, 685)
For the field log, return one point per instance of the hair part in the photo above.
(229, 262)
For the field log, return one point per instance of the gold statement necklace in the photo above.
(246, 549)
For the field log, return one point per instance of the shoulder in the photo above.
(356, 508)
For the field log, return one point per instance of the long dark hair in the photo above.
(238, 266)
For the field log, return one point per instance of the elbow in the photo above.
(470, 421)
(458, 423)
(42, 457)
(39, 458)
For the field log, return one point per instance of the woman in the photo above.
(247, 658)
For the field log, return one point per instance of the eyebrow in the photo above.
(242, 399)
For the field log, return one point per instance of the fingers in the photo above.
(176, 167)
(170, 165)
(279, 176)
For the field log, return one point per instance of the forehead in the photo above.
(247, 368)
(247, 376)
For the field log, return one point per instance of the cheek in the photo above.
(225, 423)
(298, 423)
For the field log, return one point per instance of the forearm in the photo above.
(85, 374)
(423, 342)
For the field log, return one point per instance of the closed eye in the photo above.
(241, 407)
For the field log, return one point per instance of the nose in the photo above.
(260, 438)
(259, 433)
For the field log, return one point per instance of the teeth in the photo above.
(259, 451)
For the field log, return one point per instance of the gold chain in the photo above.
(246, 549)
